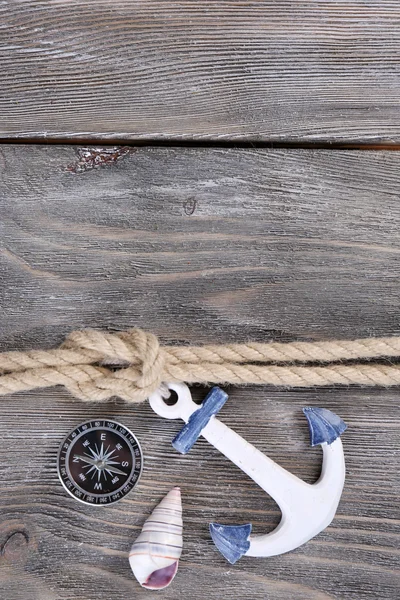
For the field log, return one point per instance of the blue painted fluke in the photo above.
(189, 434)
(324, 425)
(231, 540)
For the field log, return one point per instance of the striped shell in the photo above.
(155, 554)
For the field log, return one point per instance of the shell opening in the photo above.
(161, 578)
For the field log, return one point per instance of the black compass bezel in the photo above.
(73, 488)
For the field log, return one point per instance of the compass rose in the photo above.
(101, 462)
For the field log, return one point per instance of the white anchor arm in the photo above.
(333, 469)
(306, 515)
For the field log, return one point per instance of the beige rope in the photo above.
(96, 365)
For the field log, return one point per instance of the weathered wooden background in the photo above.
(199, 244)
(269, 70)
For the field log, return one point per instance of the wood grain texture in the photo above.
(199, 245)
(268, 70)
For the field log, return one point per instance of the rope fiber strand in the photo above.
(95, 365)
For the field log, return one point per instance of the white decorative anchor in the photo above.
(307, 509)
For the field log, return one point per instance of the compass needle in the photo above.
(114, 470)
(88, 460)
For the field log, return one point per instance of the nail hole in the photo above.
(172, 399)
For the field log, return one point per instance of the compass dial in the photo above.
(100, 462)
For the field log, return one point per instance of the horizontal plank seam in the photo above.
(176, 143)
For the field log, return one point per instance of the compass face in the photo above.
(100, 462)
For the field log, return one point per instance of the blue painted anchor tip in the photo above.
(231, 540)
(324, 425)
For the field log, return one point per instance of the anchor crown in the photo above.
(324, 425)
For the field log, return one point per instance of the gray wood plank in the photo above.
(199, 246)
(272, 70)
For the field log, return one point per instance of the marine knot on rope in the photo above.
(130, 364)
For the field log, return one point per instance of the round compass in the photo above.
(99, 462)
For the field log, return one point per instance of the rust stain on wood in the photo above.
(93, 157)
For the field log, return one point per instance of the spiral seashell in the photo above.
(155, 554)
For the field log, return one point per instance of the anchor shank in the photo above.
(272, 478)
